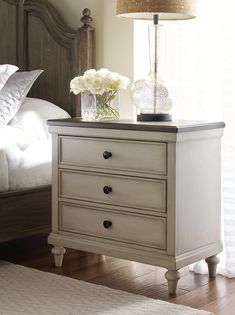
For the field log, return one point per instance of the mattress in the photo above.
(26, 148)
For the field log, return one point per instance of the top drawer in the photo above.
(132, 156)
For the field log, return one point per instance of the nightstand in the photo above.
(147, 192)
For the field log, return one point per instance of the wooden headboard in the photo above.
(33, 36)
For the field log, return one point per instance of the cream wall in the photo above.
(114, 39)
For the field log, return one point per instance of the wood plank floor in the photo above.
(194, 290)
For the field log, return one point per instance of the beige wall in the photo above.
(114, 39)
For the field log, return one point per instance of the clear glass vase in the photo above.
(100, 107)
(88, 105)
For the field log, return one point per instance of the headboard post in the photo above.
(86, 35)
(85, 52)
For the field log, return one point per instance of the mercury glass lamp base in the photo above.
(154, 117)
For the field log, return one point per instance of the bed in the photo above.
(33, 36)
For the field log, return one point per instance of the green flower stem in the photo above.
(104, 108)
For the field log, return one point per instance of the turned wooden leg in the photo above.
(212, 263)
(172, 277)
(58, 253)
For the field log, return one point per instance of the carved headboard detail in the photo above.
(33, 36)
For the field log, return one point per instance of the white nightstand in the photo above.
(148, 192)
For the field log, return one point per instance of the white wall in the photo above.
(118, 50)
(114, 39)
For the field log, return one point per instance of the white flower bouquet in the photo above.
(105, 85)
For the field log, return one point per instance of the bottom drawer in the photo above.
(120, 226)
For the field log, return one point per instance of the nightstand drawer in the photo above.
(134, 229)
(149, 194)
(133, 156)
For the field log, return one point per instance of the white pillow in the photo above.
(14, 92)
(5, 72)
(46, 110)
(32, 117)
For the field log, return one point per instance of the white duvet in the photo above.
(23, 166)
(25, 146)
(3, 171)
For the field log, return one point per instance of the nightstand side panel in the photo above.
(55, 182)
(198, 195)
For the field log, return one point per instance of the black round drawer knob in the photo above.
(107, 224)
(107, 155)
(107, 190)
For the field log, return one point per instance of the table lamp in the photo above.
(150, 95)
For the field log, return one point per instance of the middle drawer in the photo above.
(135, 192)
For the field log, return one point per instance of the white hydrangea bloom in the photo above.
(99, 82)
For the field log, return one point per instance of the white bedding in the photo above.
(26, 168)
(3, 172)
(25, 146)
(34, 169)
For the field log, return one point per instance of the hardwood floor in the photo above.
(217, 296)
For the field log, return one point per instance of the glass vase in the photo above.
(88, 106)
(100, 107)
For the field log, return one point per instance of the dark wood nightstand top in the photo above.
(176, 126)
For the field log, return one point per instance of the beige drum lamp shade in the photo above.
(165, 9)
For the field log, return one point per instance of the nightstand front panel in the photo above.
(133, 156)
(136, 229)
(140, 193)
